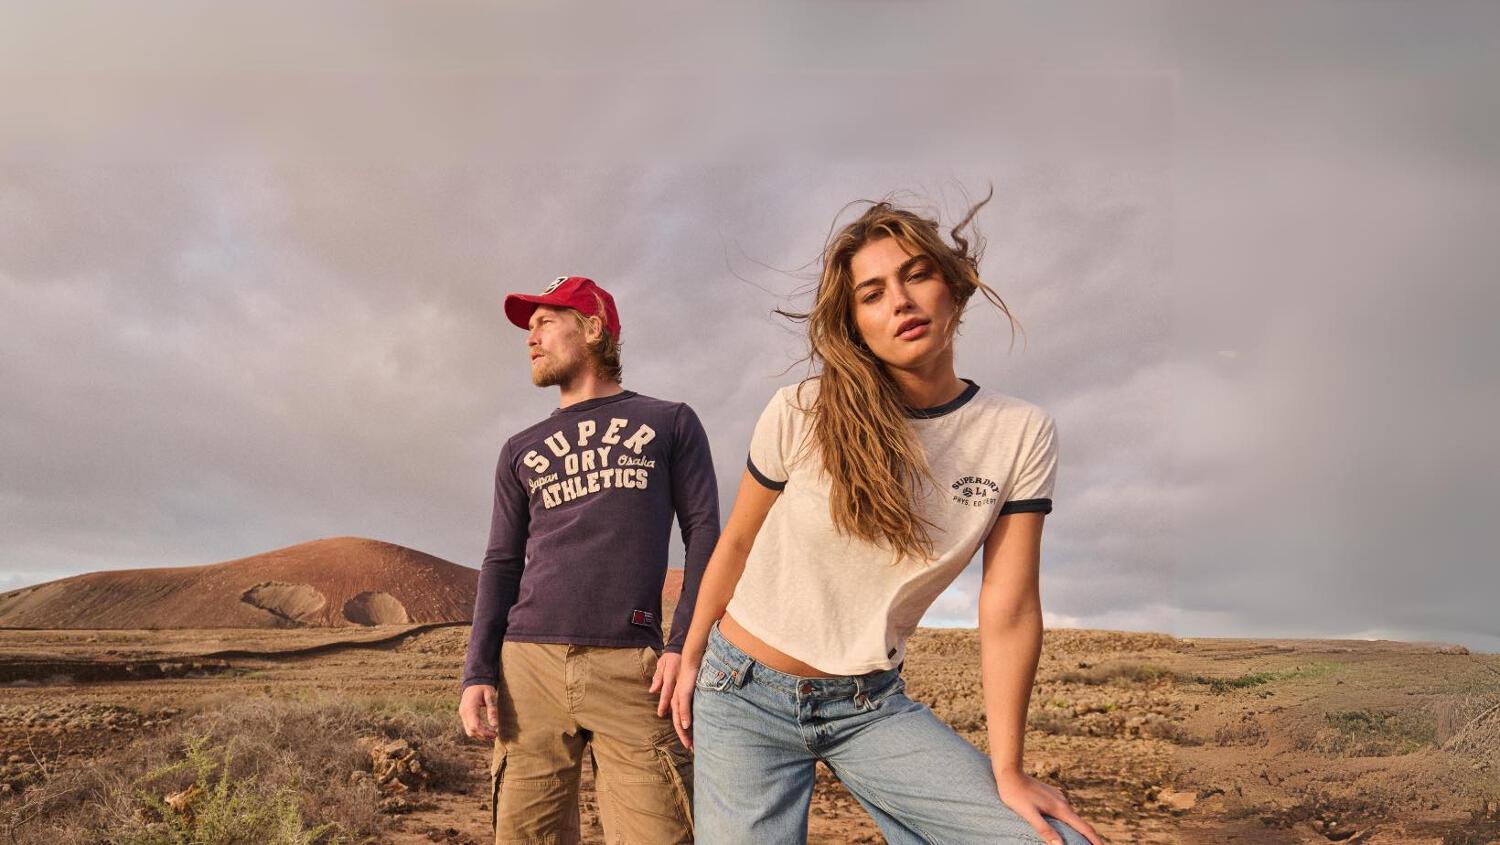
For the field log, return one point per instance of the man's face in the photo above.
(557, 345)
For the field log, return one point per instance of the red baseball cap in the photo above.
(565, 292)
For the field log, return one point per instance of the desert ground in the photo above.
(1156, 739)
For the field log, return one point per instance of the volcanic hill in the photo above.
(337, 582)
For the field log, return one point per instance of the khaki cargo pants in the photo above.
(554, 699)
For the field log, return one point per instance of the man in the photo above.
(566, 649)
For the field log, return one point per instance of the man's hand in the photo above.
(665, 680)
(477, 709)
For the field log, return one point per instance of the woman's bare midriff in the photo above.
(751, 645)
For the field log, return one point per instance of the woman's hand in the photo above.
(1031, 799)
(751, 504)
(682, 699)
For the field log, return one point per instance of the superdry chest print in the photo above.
(579, 536)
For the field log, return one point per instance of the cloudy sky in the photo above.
(252, 260)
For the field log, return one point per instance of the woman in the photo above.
(867, 491)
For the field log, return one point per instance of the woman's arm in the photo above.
(1010, 644)
(1010, 632)
(751, 504)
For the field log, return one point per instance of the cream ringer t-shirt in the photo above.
(840, 604)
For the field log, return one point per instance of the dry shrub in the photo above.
(965, 716)
(1247, 731)
(1370, 733)
(305, 749)
(1111, 723)
(1051, 720)
(1481, 828)
(1336, 815)
(1128, 673)
(1468, 725)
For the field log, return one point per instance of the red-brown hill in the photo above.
(335, 582)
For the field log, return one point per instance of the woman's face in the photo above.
(902, 306)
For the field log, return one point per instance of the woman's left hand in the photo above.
(682, 699)
(1032, 799)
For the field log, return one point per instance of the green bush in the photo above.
(224, 809)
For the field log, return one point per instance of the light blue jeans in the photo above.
(757, 734)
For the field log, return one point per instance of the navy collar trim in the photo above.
(947, 407)
(590, 404)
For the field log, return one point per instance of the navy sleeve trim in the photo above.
(1027, 506)
(778, 486)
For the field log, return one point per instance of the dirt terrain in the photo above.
(1156, 739)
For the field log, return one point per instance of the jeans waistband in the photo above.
(745, 668)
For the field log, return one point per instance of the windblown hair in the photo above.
(859, 416)
(605, 350)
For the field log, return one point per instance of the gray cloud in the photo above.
(250, 285)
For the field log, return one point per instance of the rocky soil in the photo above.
(1156, 739)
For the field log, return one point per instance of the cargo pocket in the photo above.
(677, 765)
(651, 798)
(497, 774)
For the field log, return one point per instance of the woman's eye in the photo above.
(870, 297)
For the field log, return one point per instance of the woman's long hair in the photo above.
(860, 418)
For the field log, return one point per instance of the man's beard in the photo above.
(551, 374)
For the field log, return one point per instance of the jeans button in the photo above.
(805, 688)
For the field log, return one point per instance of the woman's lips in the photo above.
(913, 332)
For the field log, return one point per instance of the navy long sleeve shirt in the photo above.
(583, 511)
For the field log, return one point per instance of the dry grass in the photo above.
(268, 770)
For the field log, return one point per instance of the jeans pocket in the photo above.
(712, 676)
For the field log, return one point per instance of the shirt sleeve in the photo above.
(770, 442)
(499, 575)
(695, 498)
(1032, 491)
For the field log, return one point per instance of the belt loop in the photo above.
(741, 673)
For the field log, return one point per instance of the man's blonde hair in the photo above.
(606, 350)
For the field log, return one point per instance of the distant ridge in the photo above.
(337, 582)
